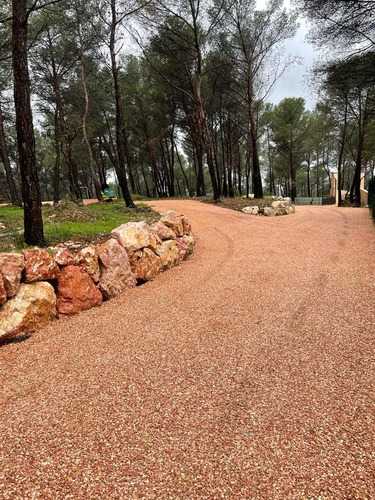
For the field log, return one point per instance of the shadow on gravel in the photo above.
(15, 340)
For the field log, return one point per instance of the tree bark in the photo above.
(120, 133)
(256, 177)
(93, 174)
(4, 157)
(355, 191)
(33, 221)
(341, 155)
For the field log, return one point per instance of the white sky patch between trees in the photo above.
(296, 80)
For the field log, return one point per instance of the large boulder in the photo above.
(186, 225)
(268, 211)
(11, 267)
(39, 265)
(32, 307)
(281, 203)
(189, 242)
(134, 236)
(282, 211)
(76, 291)
(173, 221)
(116, 274)
(145, 264)
(87, 258)
(3, 292)
(251, 210)
(169, 254)
(63, 256)
(163, 232)
(182, 249)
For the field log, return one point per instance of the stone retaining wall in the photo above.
(39, 285)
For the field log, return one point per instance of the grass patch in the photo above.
(71, 222)
(240, 203)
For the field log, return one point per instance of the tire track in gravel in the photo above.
(244, 373)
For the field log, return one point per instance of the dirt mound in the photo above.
(68, 211)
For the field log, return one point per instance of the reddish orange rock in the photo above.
(88, 260)
(186, 225)
(169, 254)
(116, 275)
(164, 232)
(76, 291)
(3, 292)
(183, 250)
(189, 242)
(39, 265)
(64, 257)
(11, 267)
(173, 221)
(145, 264)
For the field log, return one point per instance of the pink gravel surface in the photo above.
(247, 372)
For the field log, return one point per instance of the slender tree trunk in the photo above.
(239, 168)
(270, 165)
(4, 156)
(120, 124)
(146, 183)
(93, 174)
(256, 177)
(100, 161)
(33, 221)
(292, 173)
(355, 191)
(57, 165)
(183, 173)
(317, 173)
(341, 155)
(308, 176)
(71, 167)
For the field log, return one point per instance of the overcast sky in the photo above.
(295, 82)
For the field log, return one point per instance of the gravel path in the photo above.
(247, 372)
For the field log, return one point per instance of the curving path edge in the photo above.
(246, 372)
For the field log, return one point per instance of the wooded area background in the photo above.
(165, 98)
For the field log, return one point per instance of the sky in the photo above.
(295, 82)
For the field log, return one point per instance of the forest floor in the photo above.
(246, 372)
(70, 221)
(238, 203)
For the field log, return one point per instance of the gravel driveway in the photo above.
(247, 372)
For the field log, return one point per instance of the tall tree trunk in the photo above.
(292, 172)
(4, 157)
(189, 190)
(355, 191)
(71, 167)
(101, 165)
(58, 122)
(308, 176)
(317, 173)
(92, 171)
(31, 197)
(146, 183)
(57, 165)
(120, 124)
(256, 177)
(239, 168)
(270, 165)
